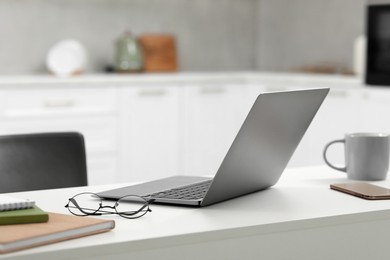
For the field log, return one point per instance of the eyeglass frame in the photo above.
(99, 212)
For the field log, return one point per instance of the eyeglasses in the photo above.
(90, 204)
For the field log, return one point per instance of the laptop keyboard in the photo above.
(190, 192)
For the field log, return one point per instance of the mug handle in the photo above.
(343, 169)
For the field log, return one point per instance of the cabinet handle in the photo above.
(275, 89)
(339, 94)
(152, 92)
(212, 90)
(59, 103)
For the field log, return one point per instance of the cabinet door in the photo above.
(375, 110)
(339, 114)
(91, 111)
(211, 122)
(251, 91)
(100, 133)
(150, 117)
(102, 170)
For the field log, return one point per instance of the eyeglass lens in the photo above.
(132, 206)
(84, 204)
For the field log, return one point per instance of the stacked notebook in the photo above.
(22, 216)
(24, 225)
(20, 211)
(11, 203)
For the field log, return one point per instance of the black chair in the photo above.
(42, 161)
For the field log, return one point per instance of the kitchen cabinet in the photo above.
(339, 114)
(150, 116)
(91, 111)
(142, 127)
(103, 169)
(210, 123)
(375, 110)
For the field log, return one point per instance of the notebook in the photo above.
(256, 159)
(11, 203)
(20, 216)
(60, 227)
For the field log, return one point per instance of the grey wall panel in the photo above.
(212, 35)
(297, 33)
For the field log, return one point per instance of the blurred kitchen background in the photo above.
(203, 63)
(217, 35)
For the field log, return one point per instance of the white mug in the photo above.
(366, 156)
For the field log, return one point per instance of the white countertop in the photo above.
(301, 200)
(180, 77)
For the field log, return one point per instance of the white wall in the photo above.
(212, 35)
(297, 33)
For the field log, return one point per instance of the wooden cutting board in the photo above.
(159, 51)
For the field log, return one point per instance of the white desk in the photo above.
(299, 218)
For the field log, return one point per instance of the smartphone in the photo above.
(363, 190)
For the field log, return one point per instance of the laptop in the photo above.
(255, 161)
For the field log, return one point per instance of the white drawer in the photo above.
(69, 101)
(100, 133)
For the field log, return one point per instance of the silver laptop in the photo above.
(256, 159)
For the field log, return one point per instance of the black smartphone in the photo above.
(363, 190)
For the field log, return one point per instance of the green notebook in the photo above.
(22, 216)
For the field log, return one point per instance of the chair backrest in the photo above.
(42, 161)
